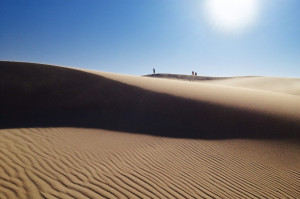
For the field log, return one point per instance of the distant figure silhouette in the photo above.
(192, 72)
(195, 74)
(153, 70)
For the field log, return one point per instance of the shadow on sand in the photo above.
(35, 95)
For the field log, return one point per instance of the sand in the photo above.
(68, 133)
(273, 84)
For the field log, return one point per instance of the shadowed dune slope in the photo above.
(41, 95)
(87, 163)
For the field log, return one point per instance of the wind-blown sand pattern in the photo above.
(68, 133)
(85, 163)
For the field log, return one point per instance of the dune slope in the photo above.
(274, 84)
(42, 95)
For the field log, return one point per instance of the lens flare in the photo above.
(232, 15)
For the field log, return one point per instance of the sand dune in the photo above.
(40, 95)
(68, 133)
(254, 100)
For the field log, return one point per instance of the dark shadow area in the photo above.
(36, 95)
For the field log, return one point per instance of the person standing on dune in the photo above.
(153, 70)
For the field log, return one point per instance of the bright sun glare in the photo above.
(232, 15)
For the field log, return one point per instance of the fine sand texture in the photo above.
(86, 163)
(70, 133)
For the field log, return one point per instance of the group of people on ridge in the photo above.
(193, 72)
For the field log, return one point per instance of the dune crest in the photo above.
(46, 95)
(256, 100)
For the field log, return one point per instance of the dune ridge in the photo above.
(184, 77)
(46, 95)
(273, 84)
(237, 96)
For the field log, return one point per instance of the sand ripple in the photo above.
(86, 163)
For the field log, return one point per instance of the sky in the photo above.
(134, 36)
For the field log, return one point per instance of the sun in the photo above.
(232, 15)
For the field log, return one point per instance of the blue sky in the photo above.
(133, 36)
